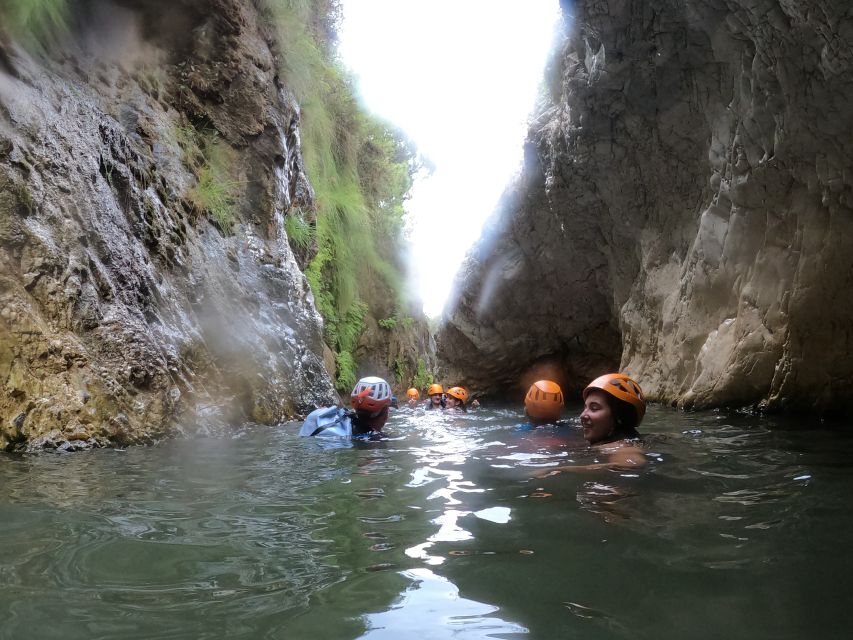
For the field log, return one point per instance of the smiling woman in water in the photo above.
(455, 399)
(614, 406)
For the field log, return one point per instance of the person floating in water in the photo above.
(543, 403)
(413, 397)
(614, 406)
(436, 397)
(455, 399)
(370, 399)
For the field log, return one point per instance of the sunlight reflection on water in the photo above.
(442, 526)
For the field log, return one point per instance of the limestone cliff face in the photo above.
(685, 211)
(123, 309)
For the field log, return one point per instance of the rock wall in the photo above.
(125, 313)
(685, 211)
(403, 354)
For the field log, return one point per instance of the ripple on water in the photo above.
(374, 535)
(267, 535)
(370, 494)
(378, 469)
(373, 520)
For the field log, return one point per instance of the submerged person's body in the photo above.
(544, 431)
(543, 404)
(614, 406)
(369, 427)
(370, 399)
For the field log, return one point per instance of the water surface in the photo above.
(739, 527)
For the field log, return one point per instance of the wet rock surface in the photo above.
(125, 312)
(685, 211)
(397, 353)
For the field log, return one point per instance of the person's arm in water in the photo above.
(622, 458)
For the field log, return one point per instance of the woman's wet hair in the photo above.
(624, 418)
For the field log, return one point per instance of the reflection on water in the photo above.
(432, 608)
(739, 527)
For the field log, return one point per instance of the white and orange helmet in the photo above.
(371, 395)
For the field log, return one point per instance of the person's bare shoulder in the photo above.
(627, 456)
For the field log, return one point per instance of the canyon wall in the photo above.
(684, 212)
(128, 311)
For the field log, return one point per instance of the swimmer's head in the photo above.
(371, 396)
(623, 388)
(613, 408)
(543, 402)
(457, 394)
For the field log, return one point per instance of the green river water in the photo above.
(739, 527)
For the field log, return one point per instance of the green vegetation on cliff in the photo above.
(299, 230)
(361, 173)
(33, 22)
(215, 191)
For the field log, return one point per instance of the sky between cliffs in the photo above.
(460, 78)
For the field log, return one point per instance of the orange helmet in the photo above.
(413, 394)
(622, 388)
(459, 393)
(371, 395)
(434, 388)
(544, 400)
